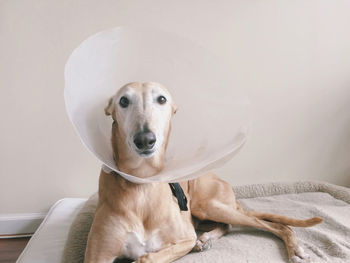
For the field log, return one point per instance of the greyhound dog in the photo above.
(156, 222)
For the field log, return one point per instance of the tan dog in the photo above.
(143, 221)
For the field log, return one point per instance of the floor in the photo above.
(11, 248)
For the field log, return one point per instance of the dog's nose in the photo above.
(145, 140)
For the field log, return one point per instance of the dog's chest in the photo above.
(135, 246)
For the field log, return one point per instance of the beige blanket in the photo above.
(327, 242)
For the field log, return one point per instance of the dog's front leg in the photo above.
(170, 253)
(106, 237)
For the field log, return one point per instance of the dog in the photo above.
(156, 222)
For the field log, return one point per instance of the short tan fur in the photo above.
(144, 221)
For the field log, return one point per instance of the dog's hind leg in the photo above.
(204, 242)
(219, 212)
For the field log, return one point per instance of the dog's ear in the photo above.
(110, 107)
(174, 107)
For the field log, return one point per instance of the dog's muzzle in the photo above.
(144, 141)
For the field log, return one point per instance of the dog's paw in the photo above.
(146, 258)
(300, 256)
(203, 243)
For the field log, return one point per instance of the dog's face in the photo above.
(142, 112)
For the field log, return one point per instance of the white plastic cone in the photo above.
(212, 121)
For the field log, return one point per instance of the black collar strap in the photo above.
(177, 192)
(180, 196)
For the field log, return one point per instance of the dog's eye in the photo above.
(124, 102)
(161, 99)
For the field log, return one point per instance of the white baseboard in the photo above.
(20, 224)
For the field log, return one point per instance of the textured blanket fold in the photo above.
(327, 242)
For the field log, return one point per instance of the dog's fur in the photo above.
(143, 221)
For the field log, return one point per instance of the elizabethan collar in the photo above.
(212, 121)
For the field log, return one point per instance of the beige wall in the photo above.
(291, 57)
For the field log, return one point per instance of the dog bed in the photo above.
(62, 235)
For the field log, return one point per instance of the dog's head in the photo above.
(142, 114)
